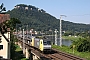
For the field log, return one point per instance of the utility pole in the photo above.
(23, 43)
(52, 37)
(56, 36)
(61, 29)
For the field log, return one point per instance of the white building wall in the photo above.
(5, 52)
(26, 8)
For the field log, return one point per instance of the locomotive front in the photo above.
(46, 44)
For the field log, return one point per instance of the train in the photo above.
(40, 42)
(43, 44)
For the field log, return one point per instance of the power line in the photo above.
(80, 15)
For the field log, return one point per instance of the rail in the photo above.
(53, 54)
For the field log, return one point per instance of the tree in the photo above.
(2, 26)
(12, 23)
(9, 24)
(82, 45)
(2, 8)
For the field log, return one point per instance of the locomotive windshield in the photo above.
(47, 42)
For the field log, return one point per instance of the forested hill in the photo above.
(41, 20)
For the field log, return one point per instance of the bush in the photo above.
(82, 45)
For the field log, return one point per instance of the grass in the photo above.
(66, 49)
(24, 59)
(19, 54)
(17, 48)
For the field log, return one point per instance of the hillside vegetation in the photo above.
(39, 19)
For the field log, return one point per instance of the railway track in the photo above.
(58, 55)
(54, 54)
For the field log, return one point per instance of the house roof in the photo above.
(4, 17)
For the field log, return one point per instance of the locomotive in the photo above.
(43, 44)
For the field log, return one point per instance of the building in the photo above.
(4, 38)
(26, 8)
(5, 45)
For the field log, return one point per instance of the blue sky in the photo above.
(77, 11)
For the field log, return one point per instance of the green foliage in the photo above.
(16, 52)
(34, 18)
(68, 33)
(12, 23)
(9, 24)
(40, 20)
(12, 46)
(82, 45)
(17, 48)
(3, 28)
